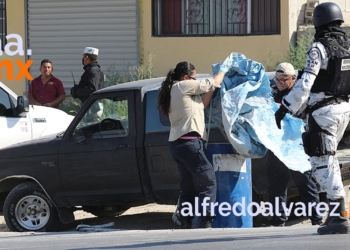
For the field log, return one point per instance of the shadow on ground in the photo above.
(148, 221)
(145, 221)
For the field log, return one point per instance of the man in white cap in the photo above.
(92, 78)
(285, 78)
(278, 174)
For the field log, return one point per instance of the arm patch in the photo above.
(313, 61)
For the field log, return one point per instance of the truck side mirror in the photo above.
(22, 105)
(79, 136)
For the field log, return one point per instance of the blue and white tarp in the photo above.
(244, 109)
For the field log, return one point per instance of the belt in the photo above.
(190, 138)
(328, 101)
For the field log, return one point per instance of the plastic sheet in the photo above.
(244, 110)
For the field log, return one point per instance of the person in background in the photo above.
(46, 90)
(278, 173)
(92, 79)
(180, 100)
(325, 87)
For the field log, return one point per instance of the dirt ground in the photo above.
(148, 217)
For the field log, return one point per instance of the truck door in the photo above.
(13, 129)
(162, 168)
(97, 155)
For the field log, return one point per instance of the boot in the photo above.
(275, 222)
(316, 222)
(206, 222)
(335, 224)
(186, 222)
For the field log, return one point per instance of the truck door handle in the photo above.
(123, 146)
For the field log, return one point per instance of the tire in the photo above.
(27, 208)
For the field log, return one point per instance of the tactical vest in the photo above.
(335, 80)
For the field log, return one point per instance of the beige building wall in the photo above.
(296, 17)
(297, 14)
(205, 51)
(15, 15)
(297, 11)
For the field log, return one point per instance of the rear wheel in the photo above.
(27, 208)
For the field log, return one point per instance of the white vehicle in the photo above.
(20, 121)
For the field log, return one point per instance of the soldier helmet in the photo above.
(326, 13)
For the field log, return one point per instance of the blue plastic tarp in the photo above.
(244, 111)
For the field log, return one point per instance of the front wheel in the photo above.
(27, 208)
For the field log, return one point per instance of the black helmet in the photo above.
(325, 13)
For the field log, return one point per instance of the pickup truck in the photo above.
(113, 155)
(20, 121)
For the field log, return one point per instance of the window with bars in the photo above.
(3, 23)
(215, 17)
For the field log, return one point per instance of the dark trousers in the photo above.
(279, 176)
(197, 175)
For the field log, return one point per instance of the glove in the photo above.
(227, 64)
(300, 74)
(73, 93)
(279, 115)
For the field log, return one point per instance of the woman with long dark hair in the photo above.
(179, 99)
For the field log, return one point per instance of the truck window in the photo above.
(106, 118)
(5, 106)
(164, 120)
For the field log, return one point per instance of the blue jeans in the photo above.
(197, 175)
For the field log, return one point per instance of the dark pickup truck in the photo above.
(114, 155)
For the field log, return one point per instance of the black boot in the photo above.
(335, 224)
(186, 222)
(275, 222)
(206, 222)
